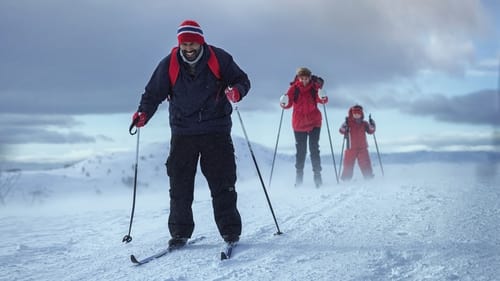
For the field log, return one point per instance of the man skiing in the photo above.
(199, 81)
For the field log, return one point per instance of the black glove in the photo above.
(318, 82)
(371, 121)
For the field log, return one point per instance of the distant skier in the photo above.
(304, 94)
(354, 130)
(200, 81)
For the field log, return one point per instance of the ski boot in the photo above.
(298, 178)
(317, 180)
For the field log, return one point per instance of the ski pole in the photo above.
(331, 147)
(127, 238)
(376, 146)
(342, 155)
(258, 171)
(275, 148)
(343, 141)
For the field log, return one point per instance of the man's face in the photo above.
(304, 79)
(190, 50)
(356, 115)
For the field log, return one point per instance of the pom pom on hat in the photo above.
(190, 31)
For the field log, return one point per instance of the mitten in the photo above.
(283, 100)
(139, 119)
(232, 94)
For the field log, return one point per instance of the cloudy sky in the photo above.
(72, 72)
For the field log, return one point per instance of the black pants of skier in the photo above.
(217, 161)
(301, 148)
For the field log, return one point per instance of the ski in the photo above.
(163, 252)
(225, 254)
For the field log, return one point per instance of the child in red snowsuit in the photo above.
(354, 130)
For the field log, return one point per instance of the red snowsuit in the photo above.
(356, 146)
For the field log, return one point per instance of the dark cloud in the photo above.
(21, 129)
(96, 56)
(443, 142)
(61, 58)
(22, 120)
(40, 135)
(79, 57)
(478, 108)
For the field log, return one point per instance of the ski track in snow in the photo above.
(419, 222)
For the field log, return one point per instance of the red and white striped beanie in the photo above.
(190, 31)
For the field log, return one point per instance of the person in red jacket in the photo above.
(304, 94)
(354, 130)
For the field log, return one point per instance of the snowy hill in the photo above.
(108, 174)
(428, 221)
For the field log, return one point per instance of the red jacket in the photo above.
(306, 114)
(357, 130)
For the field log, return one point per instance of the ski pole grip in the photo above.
(134, 123)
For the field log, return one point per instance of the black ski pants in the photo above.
(301, 147)
(217, 162)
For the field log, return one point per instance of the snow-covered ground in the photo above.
(430, 221)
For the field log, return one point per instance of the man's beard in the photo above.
(191, 55)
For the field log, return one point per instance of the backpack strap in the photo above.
(213, 64)
(173, 67)
(296, 94)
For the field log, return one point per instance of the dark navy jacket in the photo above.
(198, 104)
